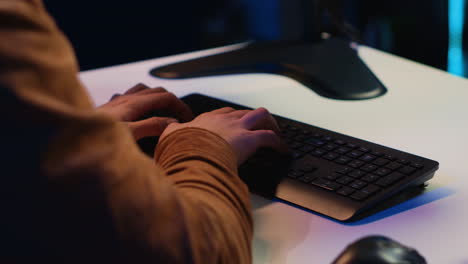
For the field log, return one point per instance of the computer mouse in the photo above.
(378, 250)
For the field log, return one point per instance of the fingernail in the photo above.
(171, 120)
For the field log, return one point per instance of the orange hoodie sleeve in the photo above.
(75, 185)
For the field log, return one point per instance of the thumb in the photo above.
(151, 127)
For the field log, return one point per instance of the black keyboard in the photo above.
(327, 172)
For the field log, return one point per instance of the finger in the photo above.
(115, 96)
(269, 139)
(153, 90)
(260, 118)
(167, 102)
(137, 88)
(223, 110)
(151, 127)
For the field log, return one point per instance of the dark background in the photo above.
(106, 33)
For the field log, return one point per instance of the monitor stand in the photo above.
(330, 67)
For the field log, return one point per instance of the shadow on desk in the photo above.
(399, 203)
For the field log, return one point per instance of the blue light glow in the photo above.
(455, 50)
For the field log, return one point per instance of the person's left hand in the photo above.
(140, 100)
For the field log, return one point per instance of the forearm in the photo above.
(215, 201)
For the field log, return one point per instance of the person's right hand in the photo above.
(245, 130)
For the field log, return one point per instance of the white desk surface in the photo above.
(425, 112)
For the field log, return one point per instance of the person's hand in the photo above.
(140, 100)
(245, 130)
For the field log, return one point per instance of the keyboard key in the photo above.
(351, 146)
(300, 138)
(307, 164)
(377, 154)
(315, 142)
(327, 138)
(356, 174)
(390, 179)
(333, 185)
(343, 160)
(393, 165)
(330, 147)
(296, 154)
(357, 184)
(295, 145)
(371, 189)
(339, 142)
(362, 149)
(307, 148)
(344, 180)
(295, 174)
(367, 158)
(345, 191)
(308, 177)
(390, 157)
(355, 154)
(403, 161)
(382, 171)
(359, 196)
(356, 163)
(343, 150)
(370, 178)
(416, 165)
(318, 152)
(380, 161)
(407, 170)
(330, 156)
(369, 167)
(344, 170)
(319, 182)
(332, 176)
